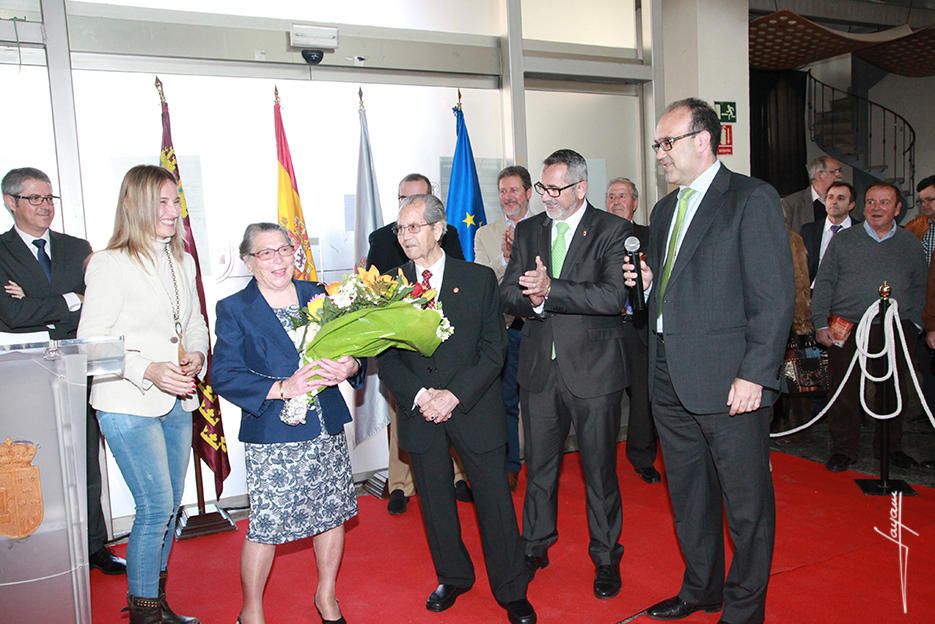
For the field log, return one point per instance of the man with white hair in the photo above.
(808, 204)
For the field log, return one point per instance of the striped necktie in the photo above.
(44, 260)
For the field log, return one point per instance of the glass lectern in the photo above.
(43, 489)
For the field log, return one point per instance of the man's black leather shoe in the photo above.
(536, 562)
(839, 462)
(675, 608)
(107, 562)
(463, 492)
(443, 597)
(520, 612)
(607, 581)
(649, 474)
(928, 464)
(398, 503)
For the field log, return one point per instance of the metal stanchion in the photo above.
(884, 486)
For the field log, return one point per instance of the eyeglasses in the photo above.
(412, 228)
(553, 191)
(38, 200)
(831, 171)
(667, 142)
(266, 254)
(925, 201)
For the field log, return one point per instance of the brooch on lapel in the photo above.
(456, 290)
(584, 232)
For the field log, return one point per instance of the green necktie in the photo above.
(559, 249)
(672, 249)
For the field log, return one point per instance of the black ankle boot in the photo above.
(168, 615)
(144, 610)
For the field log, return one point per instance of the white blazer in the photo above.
(125, 298)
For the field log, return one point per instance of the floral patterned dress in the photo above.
(298, 489)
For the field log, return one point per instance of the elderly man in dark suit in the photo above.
(42, 273)
(622, 199)
(721, 308)
(385, 253)
(452, 398)
(564, 278)
(808, 204)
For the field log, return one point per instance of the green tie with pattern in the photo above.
(559, 250)
(673, 245)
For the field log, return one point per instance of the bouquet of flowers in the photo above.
(363, 315)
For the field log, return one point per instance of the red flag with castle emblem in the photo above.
(289, 205)
(208, 442)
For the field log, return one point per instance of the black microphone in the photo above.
(637, 300)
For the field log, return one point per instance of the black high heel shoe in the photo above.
(340, 620)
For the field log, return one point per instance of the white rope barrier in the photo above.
(891, 327)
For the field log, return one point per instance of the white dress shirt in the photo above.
(700, 185)
(435, 281)
(826, 234)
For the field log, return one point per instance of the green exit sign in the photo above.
(726, 111)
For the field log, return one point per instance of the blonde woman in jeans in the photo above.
(142, 287)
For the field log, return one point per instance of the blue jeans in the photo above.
(510, 387)
(152, 453)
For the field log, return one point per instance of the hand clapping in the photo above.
(536, 283)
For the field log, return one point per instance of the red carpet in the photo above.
(829, 567)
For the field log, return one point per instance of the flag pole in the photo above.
(206, 521)
(199, 479)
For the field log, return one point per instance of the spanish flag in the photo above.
(290, 206)
(208, 442)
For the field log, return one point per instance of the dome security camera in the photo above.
(313, 57)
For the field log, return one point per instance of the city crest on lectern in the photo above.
(21, 510)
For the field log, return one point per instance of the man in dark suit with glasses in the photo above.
(720, 294)
(42, 273)
(564, 278)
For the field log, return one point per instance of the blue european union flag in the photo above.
(465, 207)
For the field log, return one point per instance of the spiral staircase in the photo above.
(878, 143)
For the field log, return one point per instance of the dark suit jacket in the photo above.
(730, 297)
(582, 316)
(468, 364)
(251, 351)
(43, 303)
(811, 235)
(385, 252)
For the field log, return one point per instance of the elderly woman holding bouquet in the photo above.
(298, 467)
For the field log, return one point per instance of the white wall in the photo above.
(27, 144)
(913, 98)
(605, 129)
(706, 56)
(591, 22)
(482, 17)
